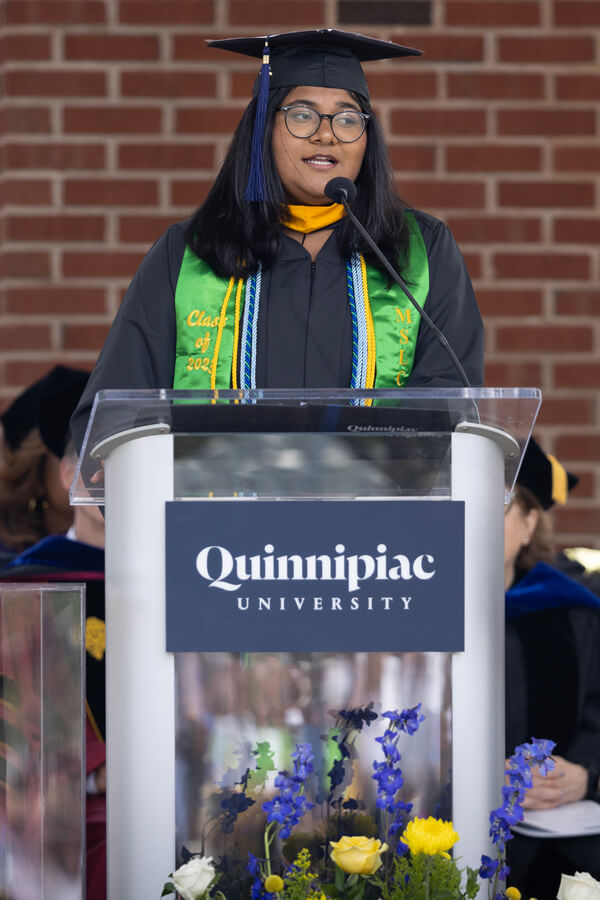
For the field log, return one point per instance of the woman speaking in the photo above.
(269, 284)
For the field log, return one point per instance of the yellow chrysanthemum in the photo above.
(430, 836)
(513, 893)
(273, 884)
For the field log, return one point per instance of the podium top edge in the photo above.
(298, 395)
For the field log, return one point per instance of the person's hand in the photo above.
(98, 476)
(566, 783)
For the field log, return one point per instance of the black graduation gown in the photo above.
(305, 337)
(553, 691)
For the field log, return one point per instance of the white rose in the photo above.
(580, 886)
(193, 878)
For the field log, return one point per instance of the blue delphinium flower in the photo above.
(232, 805)
(488, 867)
(388, 773)
(347, 721)
(408, 720)
(336, 775)
(290, 804)
(303, 761)
(257, 891)
(356, 718)
(519, 775)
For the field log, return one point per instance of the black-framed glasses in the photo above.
(303, 121)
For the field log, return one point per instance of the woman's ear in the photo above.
(529, 524)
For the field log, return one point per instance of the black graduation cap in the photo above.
(325, 57)
(48, 405)
(544, 476)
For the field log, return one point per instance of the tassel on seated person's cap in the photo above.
(322, 58)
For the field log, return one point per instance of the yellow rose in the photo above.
(430, 836)
(358, 855)
(273, 884)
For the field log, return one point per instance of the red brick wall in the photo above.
(115, 117)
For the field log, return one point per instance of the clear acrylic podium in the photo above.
(42, 810)
(144, 448)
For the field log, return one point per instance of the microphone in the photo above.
(343, 190)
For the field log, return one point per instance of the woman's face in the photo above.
(519, 527)
(305, 165)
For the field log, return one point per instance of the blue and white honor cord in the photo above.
(249, 330)
(358, 313)
(360, 343)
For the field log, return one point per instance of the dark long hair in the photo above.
(233, 236)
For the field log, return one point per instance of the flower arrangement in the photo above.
(408, 859)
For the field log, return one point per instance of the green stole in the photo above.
(199, 296)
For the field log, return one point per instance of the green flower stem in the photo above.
(427, 876)
(268, 842)
(501, 862)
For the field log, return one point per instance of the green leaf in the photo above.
(357, 891)
(339, 879)
(472, 888)
(169, 888)
(264, 763)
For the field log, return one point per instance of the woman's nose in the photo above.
(324, 132)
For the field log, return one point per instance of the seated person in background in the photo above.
(33, 501)
(77, 556)
(552, 674)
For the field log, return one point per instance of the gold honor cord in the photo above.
(222, 319)
(236, 334)
(371, 359)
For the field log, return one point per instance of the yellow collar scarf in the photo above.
(311, 218)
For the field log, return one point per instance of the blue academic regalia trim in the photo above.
(59, 552)
(545, 587)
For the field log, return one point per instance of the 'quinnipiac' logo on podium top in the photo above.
(315, 575)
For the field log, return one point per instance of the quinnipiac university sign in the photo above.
(315, 576)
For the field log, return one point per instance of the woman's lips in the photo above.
(318, 161)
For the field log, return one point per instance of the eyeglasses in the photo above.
(303, 122)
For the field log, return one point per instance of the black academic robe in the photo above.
(553, 691)
(304, 326)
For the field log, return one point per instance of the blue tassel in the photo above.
(255, 189)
